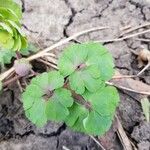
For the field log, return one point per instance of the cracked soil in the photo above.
(49, 21)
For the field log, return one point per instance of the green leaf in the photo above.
(65, 66)
(72, 57)
(104, 101)
(81, 80)
(57, 105)
(95, 124)
(76, 117)
(6, 40)
(88, 65)
(11, 36)
(146, 108)
(12, 6)
(17, 44)
(76, 82)
(100, 56)
(4, 36)
(6, 27)
(96, 117)
(30, 48)
(45, 99)
(37, 113)
(6, 56)
(88, 54)
(14, 25)
(49, 81)
(24, 42)
(33, 93)
(8, 15)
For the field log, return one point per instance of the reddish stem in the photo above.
(18, 55)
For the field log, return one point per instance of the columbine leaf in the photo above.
(65, 66)
(71, 58)
(76, 116)
(37, 113)
(76, 82)
(57, 105)
(104, 101)
(45, 99)
(96, 115)
(49, 81)
(96, 124)
(89, 63)
(33, 93)
(99, 55)
(88, 54)
(81, 80)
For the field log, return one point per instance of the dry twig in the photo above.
(98, 143)
(135, 28)
(45, 51)
(123, 137)
(123, 38)
(128, 89)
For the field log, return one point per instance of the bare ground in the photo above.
(49, 21)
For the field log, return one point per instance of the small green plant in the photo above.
(13, 42)
(75, 94)
(11, 36)
(12, 39)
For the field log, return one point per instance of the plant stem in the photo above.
(78, 98)
(18, 55)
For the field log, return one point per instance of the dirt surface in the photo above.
(49, 21)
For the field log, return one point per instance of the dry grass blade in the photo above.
(62, 42)
(123, 137)
(98, 143)
(146, 67)
(142, 39)
(7, 73)
(128, 89)
(48, 63)
(135, 28)
(124, 38)
(124, 76)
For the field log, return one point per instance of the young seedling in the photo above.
(12, 39)
(75, 94)
(11, 36)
